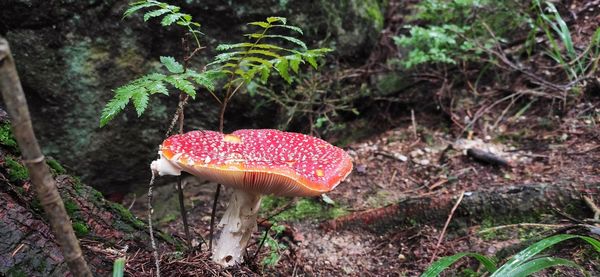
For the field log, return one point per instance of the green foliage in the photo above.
(303, 209)
(240, 62)
(245, 61)
(523, 263)
(451, 31)
(119, 267)
(16, 171)
(138, 91)
(170, 14)
(274, 246)
(81, 229)
(126, 215)
(561, 47)
(6, 136)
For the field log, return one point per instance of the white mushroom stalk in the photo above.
(253, 163)
(237, 226)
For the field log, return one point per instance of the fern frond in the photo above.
(282, 68)
(117, 104)
(290, 39)
(170, 19)
(206, 79)
(134, 7)
(261, 24)
(140, 101)
(246, 60)
(293, 28)
(155, 13)
(171, 64)
(180, 83)
(273, 19)
(225, 47)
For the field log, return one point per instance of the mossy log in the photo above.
(501, 205)
(106, 230)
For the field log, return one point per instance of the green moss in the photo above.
(55, 166)
(6, 136)
(303, 209)
(126, 215)
(71, 207)
(16, 171)
(77, 184)
(81, 229)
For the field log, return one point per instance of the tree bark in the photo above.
(41, 178)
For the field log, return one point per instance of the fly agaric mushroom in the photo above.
(253, 163)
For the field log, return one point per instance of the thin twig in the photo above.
(437, 246)
(43, 182)
(150, 212)
(414, 123)
(519, 225)
(186, 227)
(212, 217)
(262, 242)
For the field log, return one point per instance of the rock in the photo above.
(400, 157)
(72, 54)
(416, 153)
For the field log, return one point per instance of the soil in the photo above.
(401, 164)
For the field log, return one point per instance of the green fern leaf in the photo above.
(293, 28)
(182, 84)
(295, 61)
(117, 104)
(225, 47)
(136, 7)
(157, 87)
(202, 79)
(272, 19)
(140, 101)
(264, 74)
(282, 68)
(311, 60)
(262, 24)
(171, 64)
(155, 13)
(170, 19)
(255, 35)
(258, 60)
(264, 52)
(290, 39)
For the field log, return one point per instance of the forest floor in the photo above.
(427, 162)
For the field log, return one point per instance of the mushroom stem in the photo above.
(238, 224)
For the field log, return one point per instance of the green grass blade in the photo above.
(440, 265)
(119, 267)
(535, 249)
(536, 265)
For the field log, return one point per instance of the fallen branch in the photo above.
(439, 242)
(42, 180)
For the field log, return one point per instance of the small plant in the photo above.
(561, 48)
(451, 31)
(119, 267)
(274, 246)
(523, 263)
(240, 63)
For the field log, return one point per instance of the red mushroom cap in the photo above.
(262, 161)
